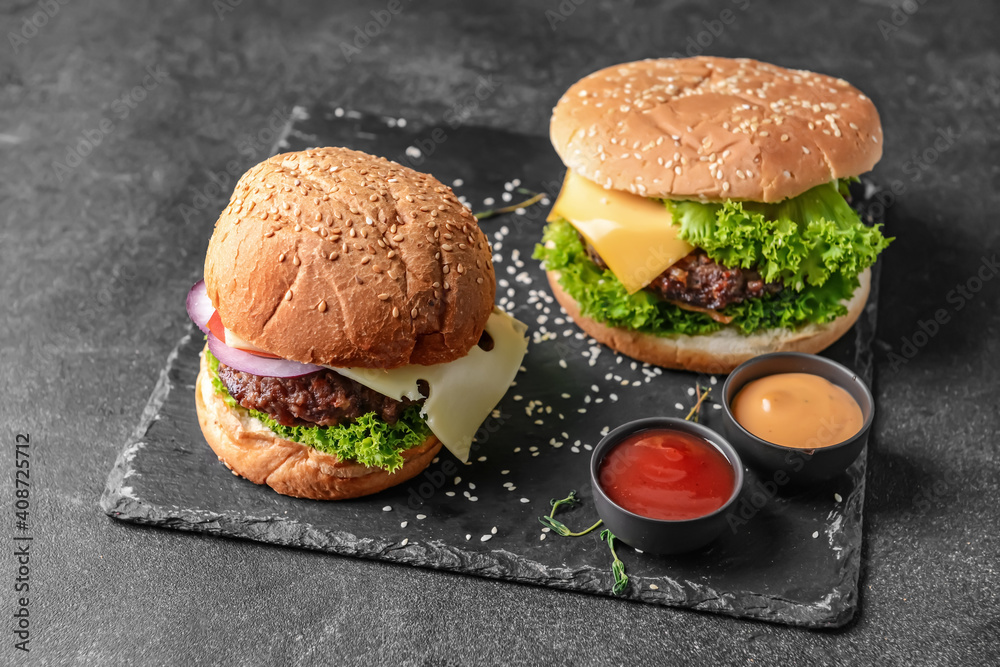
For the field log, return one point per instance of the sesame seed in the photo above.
(395, 311)
(383, 296)
(288, 295)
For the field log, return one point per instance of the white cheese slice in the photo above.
(232, 340)
(463, 392)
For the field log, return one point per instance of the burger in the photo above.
(347, 304)
(704, 218)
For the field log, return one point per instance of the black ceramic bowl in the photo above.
(790, 467)
(662, 536)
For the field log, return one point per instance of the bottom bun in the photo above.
(252, 450)
(720, 351)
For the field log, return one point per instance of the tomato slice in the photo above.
(219, 331)
(215, 326)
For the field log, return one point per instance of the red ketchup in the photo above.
(667, 474)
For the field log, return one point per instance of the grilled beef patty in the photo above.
(698, 281)
(323, 398)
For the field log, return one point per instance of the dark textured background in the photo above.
(97, 259)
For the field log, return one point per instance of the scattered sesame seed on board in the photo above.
(525, 500)
(405, 541)
(421, 517)
(387, 508)
(815, 534)
(837, 497)
(468, 537)
(403, 524)
(678, 406)
(486, 538)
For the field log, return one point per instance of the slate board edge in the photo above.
(119, 504)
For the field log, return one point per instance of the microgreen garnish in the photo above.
(560, 529)
(696, 409)
(617, 566)
(534, 199)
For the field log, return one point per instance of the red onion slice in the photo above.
(251, 363)
(199, 306)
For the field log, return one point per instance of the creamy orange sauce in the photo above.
(797, 410)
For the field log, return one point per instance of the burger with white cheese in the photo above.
(704, 216)
(347, 303)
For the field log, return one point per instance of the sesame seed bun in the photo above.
(714, 129)
(721, 351)
(253, 451)
(335, 257)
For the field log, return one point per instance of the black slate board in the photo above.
(795, 560)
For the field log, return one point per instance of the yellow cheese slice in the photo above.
(632, 234)
(463, 392)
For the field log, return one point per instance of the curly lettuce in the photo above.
(367, 440)
(602, 296)
(815, 244)
(800, 241)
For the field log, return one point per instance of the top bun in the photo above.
(335, 257)
(714, 128)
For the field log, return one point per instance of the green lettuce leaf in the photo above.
(367, 440)
(602, 296)
(801, 241)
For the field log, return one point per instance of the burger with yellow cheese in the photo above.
(704, 217)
